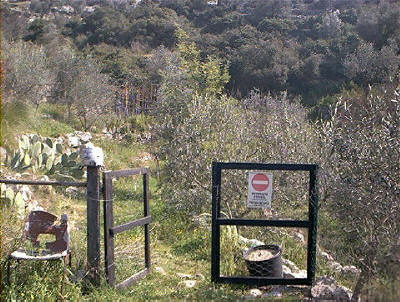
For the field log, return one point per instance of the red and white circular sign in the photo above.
(260, 182)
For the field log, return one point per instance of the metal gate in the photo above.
(310, 224)
(110, 230)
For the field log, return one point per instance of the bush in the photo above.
(267, 130)
(365, 140)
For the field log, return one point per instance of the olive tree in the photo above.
(67, 66)
(81, 86)
(27, 73)
(364, 135)
(222, 129)
(92, 94)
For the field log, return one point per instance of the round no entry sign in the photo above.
(260, 182)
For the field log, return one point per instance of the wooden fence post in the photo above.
(93, 222)
(93, 158)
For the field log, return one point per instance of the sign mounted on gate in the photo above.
(260, 190)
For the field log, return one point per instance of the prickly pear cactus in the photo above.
(15, 198)
(46, 155)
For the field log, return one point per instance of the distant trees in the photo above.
(183, 77)
(106, 25)
(368, 65)
(147, 23)
(40, 6)
(153, 25)
(309, 48)
(260, 9)
(379, 24)
(13, 25)
(263, 64)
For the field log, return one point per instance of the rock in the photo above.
(325, 255)
(189, 283)
(67, 9)
(250, 242)
(161, 271)
(73, 141)
(275, 291)
(299, 237)
(184, 276)
(84, 137)
(301, 274)
(73, 191)
(78, 138)
(33, 206)
(3, 155)
(290, 270)
(290, 265)
(255, 292)
(200, 276)
(350, 270)
(26, 192)
(45, 178)
(286, 272)
(88, 10)
(335, 266)
(326, 288)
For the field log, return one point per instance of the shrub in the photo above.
(365, 140)
(267, 130)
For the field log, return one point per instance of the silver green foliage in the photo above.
(46, 155)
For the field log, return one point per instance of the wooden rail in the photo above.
(43, 183)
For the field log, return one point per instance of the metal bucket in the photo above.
(271, 267)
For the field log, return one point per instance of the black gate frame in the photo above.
(310, 224)
(110, 230)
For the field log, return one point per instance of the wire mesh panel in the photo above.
(127, 249)
(249, 244)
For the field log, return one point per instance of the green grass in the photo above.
(52, 128)
(20, 117)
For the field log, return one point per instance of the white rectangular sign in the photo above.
(260, 190)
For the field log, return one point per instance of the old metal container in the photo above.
(271, 267)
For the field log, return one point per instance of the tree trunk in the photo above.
(69, 111)
(361, 281)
